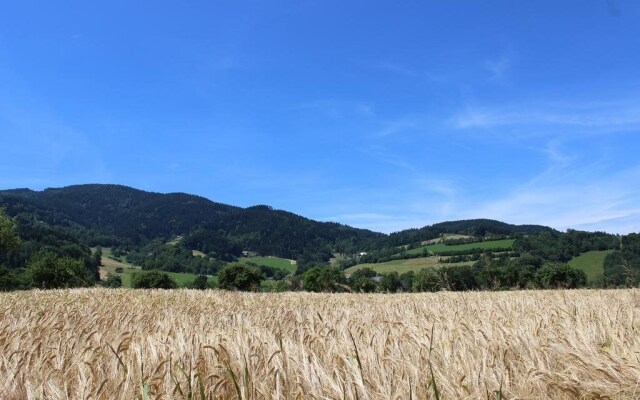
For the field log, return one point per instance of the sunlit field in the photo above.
(183, 344)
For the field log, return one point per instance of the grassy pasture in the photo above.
(488, 245)
(112, 344)
(446, 236)
(402, 266)
(274, 262)
(106, 253)
(591, 263)
(109, 266)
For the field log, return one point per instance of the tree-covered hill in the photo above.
(472, 227)
(45, 238)
(113, 214)
(116, 210)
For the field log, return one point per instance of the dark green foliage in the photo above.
(41, 256)
(324, 279)
(505, 273)
(459, 278)
(622, 268)
(152, 280)
(13, 279)
(473, 227)
(270, 272)
(361, 280)
(555, 276)
(406, 280)
(97, 257)
(112, 281)
(312, 258)
(427, 280)
(347, 262)
(363, 273)
(363, 285)
(199, 283)
(50, 271)
(562, 247)
(213, 244)
(390, 282)
(9, 239)
(446, 278)
(172, 258)
(239, 277)
(618, 271)
(121, 215)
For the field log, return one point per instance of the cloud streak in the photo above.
(532, 116)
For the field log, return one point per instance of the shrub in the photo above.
(112, 281)
(51, 271)
(152, 280)
(561, 276)
(239, 277)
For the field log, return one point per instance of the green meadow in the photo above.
(274, 262)
(487, 245)
(591, 263)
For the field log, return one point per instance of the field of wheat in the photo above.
(128, 344)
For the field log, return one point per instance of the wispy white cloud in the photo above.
(571, 200)
(378, 222)
(533, 115)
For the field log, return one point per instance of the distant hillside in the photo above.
(116, 210)
(107, 213)
(473, 227)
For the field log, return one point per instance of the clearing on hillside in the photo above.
(274, 262)
(591, 263)
(402, 266)
(109, 265)
(439, 248)
(447, 236)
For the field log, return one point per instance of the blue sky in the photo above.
(384, 115)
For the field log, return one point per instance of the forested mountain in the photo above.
(114, 210)
(115, 215)
(119, 215)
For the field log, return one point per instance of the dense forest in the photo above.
(117, 215)
(46, 239)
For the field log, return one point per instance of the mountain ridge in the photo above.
(111, 212)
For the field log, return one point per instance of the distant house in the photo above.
(362, 253)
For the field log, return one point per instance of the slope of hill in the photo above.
(103, 214)
(473, 227)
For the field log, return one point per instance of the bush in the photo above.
(50, 271)
(239, 277)
(324, 279)
(199, 283)
(554, 276)
(112, 281)
(152, 280)
(390, 282)
(427, 280)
